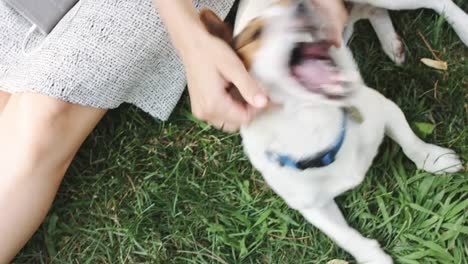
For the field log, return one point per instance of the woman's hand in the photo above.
(335, 13)
(210, 65)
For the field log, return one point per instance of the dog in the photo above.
(323, 138)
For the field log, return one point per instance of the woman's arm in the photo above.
(182, 22)
(210, 66)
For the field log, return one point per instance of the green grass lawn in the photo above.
(142, 191)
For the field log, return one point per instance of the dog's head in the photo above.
(286, 50)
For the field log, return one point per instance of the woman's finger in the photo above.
(234, 112)
(228, 127)
(234, 71)
(231, 115)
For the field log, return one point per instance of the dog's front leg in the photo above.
(426, 156)
(330, 221)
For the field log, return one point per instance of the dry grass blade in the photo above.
(337, 261)
(435, 64)
(428, 46)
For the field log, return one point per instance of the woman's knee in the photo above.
(40, 110)
(45, 128)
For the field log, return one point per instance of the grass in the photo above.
(142, 191)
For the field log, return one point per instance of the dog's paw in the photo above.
(344, 84)
(386, 259)
(372, 253)
(394, 48)
(438, 160)
(383, 259)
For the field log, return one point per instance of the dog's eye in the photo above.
(257, 33)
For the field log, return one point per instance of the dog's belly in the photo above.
(312, 187)
(315, 187)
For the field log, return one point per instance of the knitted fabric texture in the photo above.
(101, 54)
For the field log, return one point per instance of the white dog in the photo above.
(324, 137)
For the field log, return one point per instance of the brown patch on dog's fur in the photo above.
(245, 44)
(248, 41)
(249, 34)
(247, 52)
(349, 6)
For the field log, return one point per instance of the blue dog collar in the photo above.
(323, 159)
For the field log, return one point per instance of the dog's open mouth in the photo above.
(312, 66)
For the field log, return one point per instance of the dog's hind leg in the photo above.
(383, 26)
(426, 156)
(389, 38)
(330, 221)
(454, 15)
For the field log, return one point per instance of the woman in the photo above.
(101, 54)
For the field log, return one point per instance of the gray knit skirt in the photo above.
(103, 53)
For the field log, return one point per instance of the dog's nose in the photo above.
(301, 8)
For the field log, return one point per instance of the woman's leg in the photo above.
(39, 137)
(4, 96)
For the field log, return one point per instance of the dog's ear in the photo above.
(216, 26)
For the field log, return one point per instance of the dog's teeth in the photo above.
(342, 78)
(332, 89)
(347, 77)
(304, 37)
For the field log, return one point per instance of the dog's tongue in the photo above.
(314, 73)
